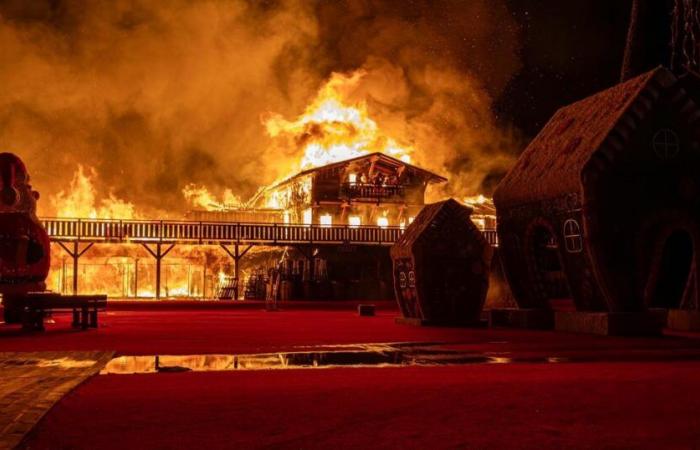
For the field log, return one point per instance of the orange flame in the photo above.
(200, 197)
(332, 129)
(81, 200)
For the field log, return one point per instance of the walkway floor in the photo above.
(549, 390)
(31, 383)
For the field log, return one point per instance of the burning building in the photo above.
(602, 206)
(374, 189)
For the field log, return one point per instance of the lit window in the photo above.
(383, 222)
(352, 178)
(286, 217)
(410, 220)
(402, 224)
(307, 217)
(354, 221)
(326, 220)
(572, 236)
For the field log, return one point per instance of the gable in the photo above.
(552, 164)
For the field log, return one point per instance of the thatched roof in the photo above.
(552, 164)
(426, 228)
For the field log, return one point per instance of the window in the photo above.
(326, 220)
(354, 221)
(402, 279)
(383, 222)
(307, 216)
(573, 241)
(666, 144)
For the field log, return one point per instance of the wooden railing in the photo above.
(188, 232)
(369, 190)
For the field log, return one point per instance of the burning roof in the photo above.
(374, 157)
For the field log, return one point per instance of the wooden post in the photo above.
(136, 278)
(237, 255)
(158, 254)
(75, 253)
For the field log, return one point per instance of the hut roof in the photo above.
(552, 164)
(429, 176)
(425, 227)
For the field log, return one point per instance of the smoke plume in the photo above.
(157, 96)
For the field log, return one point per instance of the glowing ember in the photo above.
(332, 130)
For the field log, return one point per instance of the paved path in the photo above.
(32, 382)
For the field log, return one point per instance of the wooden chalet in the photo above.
(373, 189)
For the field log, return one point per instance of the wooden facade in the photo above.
(602, 206)
(371, 190)
(441, 266)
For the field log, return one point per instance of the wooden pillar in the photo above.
(158, 254)
(237, 255)
(136, 278)
(75, 253)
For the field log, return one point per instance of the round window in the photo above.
(666, 144)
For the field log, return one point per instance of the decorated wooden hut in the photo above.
(441, 266)
(603, 205)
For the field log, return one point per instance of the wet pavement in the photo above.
(401, 354)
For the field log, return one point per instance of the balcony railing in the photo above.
(188, 232)
(374, 191)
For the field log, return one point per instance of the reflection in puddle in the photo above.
(370, 355)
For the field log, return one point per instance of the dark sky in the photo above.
(570, 50)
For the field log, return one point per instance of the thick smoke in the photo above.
(156, 95)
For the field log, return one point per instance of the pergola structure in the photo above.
(159, 237)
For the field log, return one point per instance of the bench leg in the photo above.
(27, 320)
(93, 318)
(39, 321)
(76, 318)
(33, 320)
(84, 318)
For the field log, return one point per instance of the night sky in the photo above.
(570, 49)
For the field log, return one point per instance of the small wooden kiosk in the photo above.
(441, 267)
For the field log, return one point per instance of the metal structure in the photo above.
(160, 236)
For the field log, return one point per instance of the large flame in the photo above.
(333, 129)
(80, 200)
(200, 197)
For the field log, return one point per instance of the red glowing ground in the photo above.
(643, 403)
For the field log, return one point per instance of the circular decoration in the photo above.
(666, 144)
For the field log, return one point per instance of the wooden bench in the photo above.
(83, 307)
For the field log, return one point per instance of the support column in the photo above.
(158, 253)
(75, 253)
(136, 278)
(237, 255)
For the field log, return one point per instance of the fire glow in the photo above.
(331, 130)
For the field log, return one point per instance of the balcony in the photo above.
(371, 191)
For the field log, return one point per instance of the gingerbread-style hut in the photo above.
(603, 205)
(441, 266)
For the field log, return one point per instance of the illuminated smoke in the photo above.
(157, 96)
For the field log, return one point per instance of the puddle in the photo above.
(371, 355)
